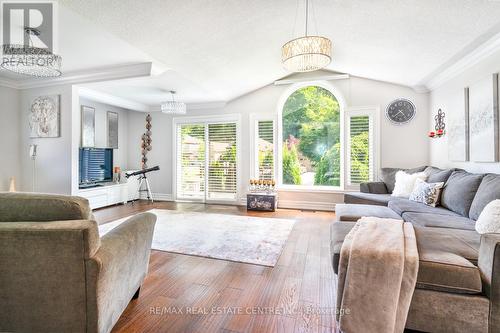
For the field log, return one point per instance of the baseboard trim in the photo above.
(158, 196)
(288, 204)
(306, 205)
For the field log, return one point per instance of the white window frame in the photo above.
(205, 120)
(374, 113)
(279, 161)
(254, 135)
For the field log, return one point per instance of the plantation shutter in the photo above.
(360, 149)
(265, 149)
(191, 161)
(222, 173)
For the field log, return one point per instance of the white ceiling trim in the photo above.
(319, 78)
(195, 106)
(121, 102)
(8, 83)
(482, 52)
(92, 75)
(101, 97)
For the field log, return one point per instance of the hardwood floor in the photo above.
(184, 293)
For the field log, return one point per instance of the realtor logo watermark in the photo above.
(27, 32)
(17, 16)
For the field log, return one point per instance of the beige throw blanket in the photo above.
(377, 275)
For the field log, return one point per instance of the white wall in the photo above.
(401, 146)
(9, 137)
(449, 97)
(161, 154)
(55, 156)
(120, 155)
(57, 160)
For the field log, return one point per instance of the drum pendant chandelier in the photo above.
(173, 107)
(308, 53)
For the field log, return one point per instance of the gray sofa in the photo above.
(458, 283)
(57, 274)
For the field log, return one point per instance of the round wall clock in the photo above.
(401, 111)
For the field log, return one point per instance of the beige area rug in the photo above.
(247, 239)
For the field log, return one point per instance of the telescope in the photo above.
(143, 180)
(142, 172)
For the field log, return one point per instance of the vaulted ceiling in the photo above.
(220, 49)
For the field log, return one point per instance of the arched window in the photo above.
(311, 122)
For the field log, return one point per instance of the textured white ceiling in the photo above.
(220, 49)
(84, 45)
(152, 91)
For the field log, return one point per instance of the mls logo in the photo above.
(29, 24)
(28, 42)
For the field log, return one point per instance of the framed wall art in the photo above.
(112, 120)
(44, 118)
(483, 120)
(88, 126)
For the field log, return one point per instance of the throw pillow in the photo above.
(405, 183)
(426, 193)
(489, 219)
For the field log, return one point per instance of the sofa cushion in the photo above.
(488, 190)
(436, 175)
(443, 263)
(367, 198)
(373, 187)
(439, 221)
(37, 207)
(401, 206)
(353, 213)
(448, 258)
(338, 231)
(388, 175)
(459, 191)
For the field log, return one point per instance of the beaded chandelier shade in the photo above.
(307, 53)
(173, 107)
(30, 60)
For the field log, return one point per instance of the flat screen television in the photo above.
(95, 165)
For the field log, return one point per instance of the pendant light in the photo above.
(307, 53)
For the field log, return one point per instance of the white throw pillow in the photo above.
(405, 182)
(489, 219)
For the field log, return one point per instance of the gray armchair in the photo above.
(57, 274)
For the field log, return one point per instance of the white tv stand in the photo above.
(111, 193)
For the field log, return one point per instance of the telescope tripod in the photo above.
(144, 180)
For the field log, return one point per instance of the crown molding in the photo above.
(8, 83)
(312, 78)
(101, 97)
(84, 76)
(193, 106)
(420, 89)
(125, 103)
(485, 50)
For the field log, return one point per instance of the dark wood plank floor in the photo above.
(184, 293)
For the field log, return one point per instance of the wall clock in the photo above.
(401, 111)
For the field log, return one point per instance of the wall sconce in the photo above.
(439, 127)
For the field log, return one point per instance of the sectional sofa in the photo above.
(458, 284)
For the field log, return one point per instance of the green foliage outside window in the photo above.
(311, 140)
(311, 126)
(291, 166)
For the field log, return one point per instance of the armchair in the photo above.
(59, 275)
